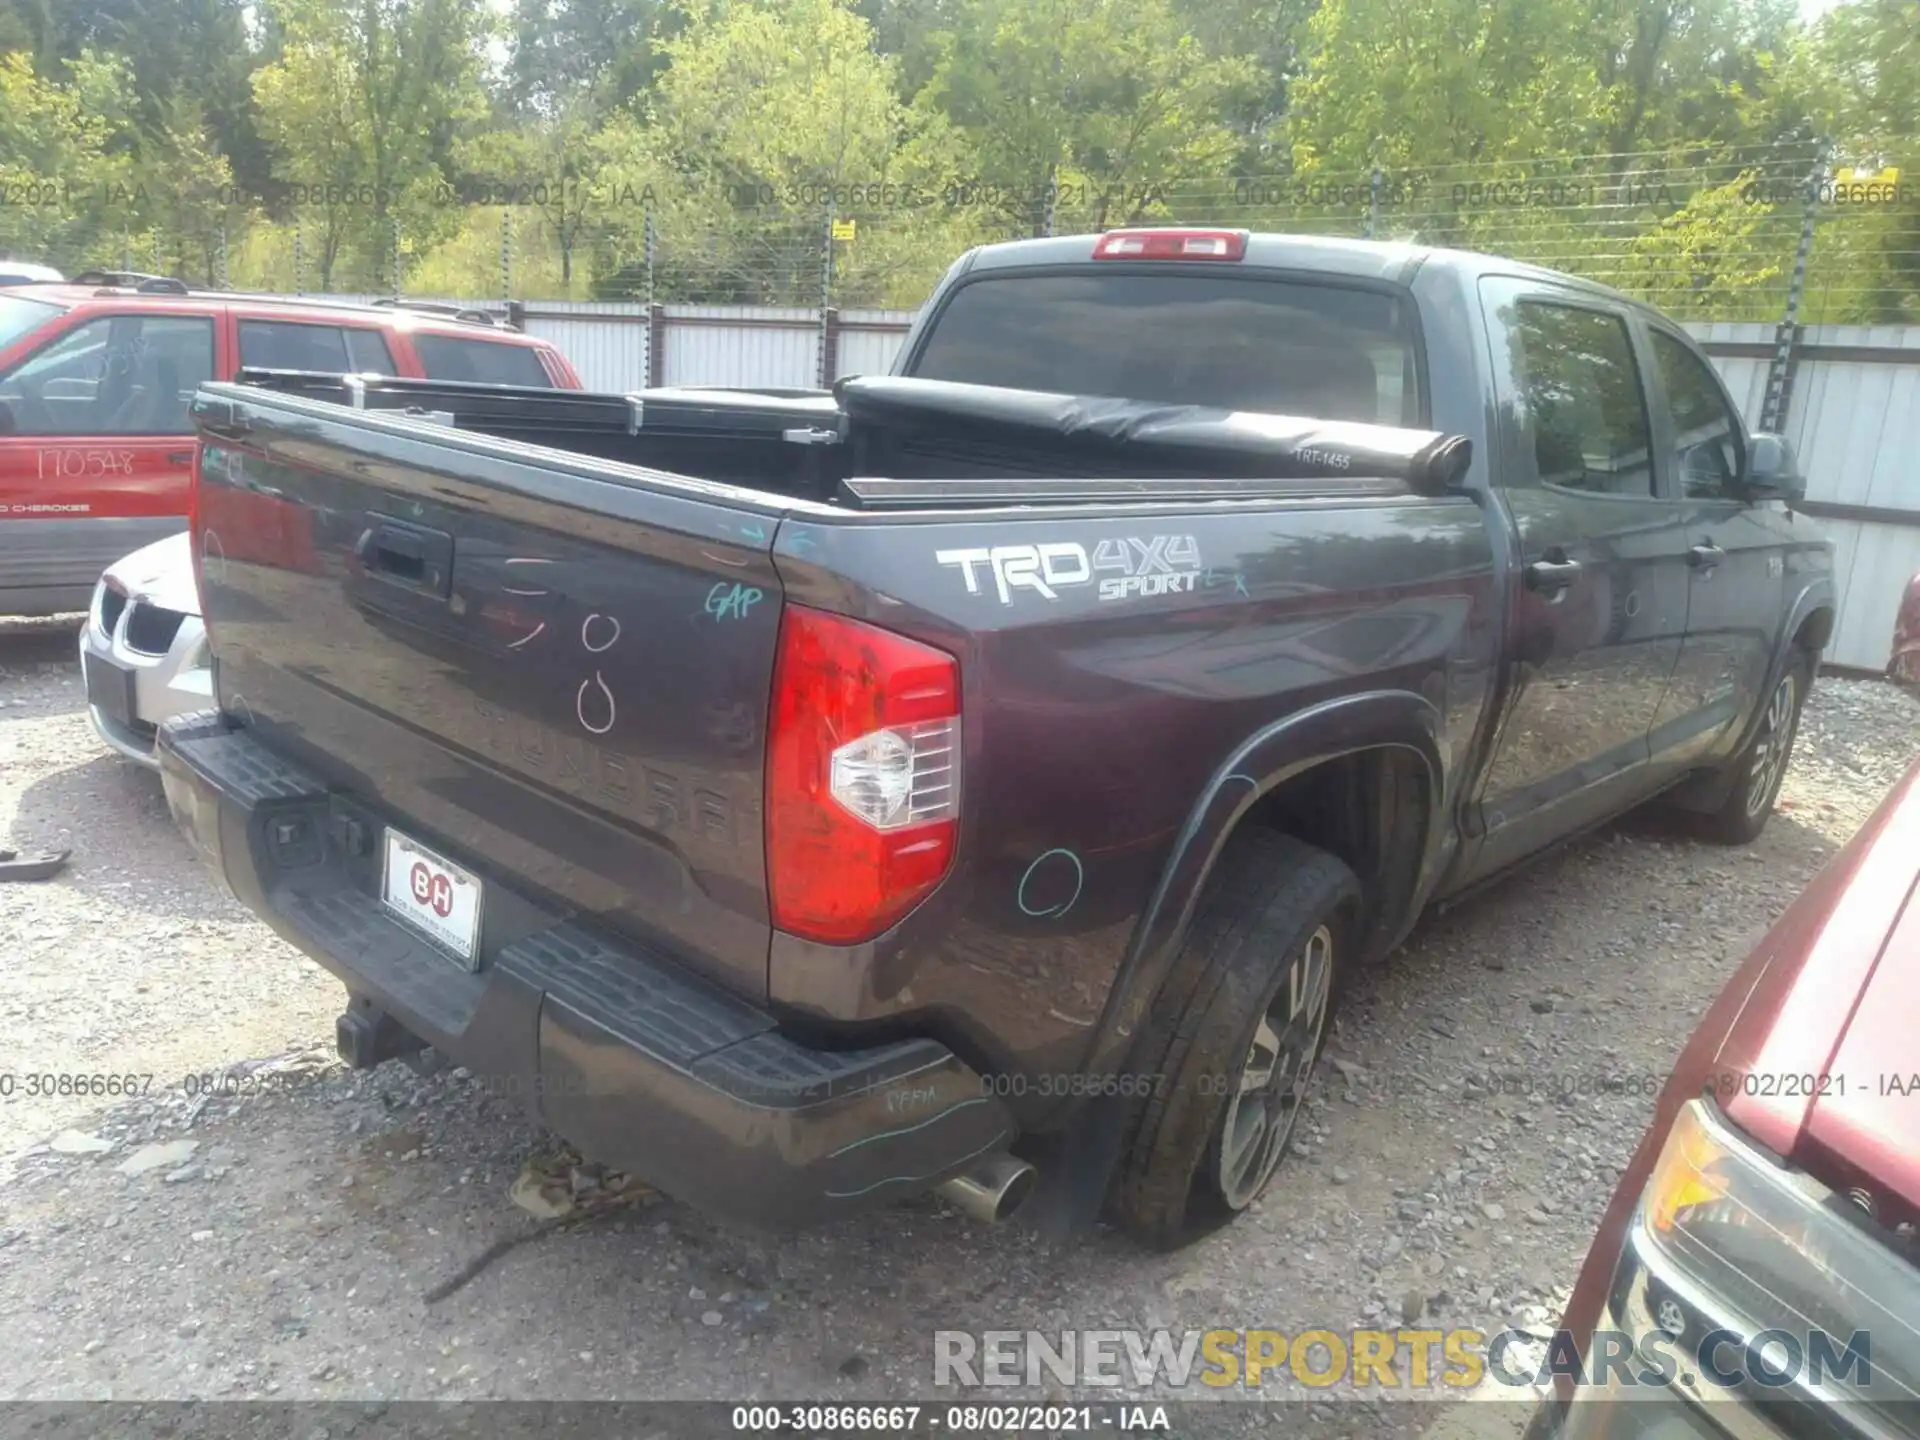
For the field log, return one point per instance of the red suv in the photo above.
(96, 376)
(1758, 1269)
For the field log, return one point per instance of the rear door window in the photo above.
(1329, 351)
(1581, 393)
(446, 357)
(117, 375)
(332, 349)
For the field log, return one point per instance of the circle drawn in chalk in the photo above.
(580, 705)
(1052, 912)
(239, 706)
(1633, 603)
(586, 628)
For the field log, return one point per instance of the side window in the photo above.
(1581, 393)
(480, 361)
(367, 349)
(118, 375)
(1706, 433)
(288, 345)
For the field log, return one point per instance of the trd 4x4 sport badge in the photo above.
(1156, 565)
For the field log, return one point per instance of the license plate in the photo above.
(434, 896)
(109, 687)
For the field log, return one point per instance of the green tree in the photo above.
(1111, 99)
(63, 165)
(1859, 74)
(364, 105)
(193, 203)
(560, 168)
(771, 113)
(603, 51)
(197, 53)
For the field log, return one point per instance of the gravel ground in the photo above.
(287, 1246)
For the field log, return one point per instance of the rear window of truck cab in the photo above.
(1236, 342)
(21, 316)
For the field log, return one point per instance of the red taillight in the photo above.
(1171, 245)
(863, 776)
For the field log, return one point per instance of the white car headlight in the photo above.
(1771, 1252)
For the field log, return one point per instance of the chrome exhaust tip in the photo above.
(992, 1190)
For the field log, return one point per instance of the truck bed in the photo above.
(806, 444)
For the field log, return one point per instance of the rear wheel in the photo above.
(1760, 769)
(1234, 1037)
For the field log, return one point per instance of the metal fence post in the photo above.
(826, 303)
(299, 261)
(1786, 336)
(656, 319)
(394, 274)
(1373, 203)
(647, 248)
(220, 280)
(506, 253)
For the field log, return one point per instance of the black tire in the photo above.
(1272, 904)
(1759, 769)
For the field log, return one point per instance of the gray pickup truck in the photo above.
(982, 777)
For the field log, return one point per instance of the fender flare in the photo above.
(1271, 756)
(1817, 594)
(1708, 791)
(1075, 1182)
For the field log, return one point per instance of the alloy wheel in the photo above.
(1272, 1083)
(1771, 747)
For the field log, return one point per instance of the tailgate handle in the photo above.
(409, 555)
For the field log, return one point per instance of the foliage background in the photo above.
(705, 149)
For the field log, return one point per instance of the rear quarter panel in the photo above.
(1095, 725)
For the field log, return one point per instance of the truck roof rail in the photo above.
(132, 280)
(468, 314)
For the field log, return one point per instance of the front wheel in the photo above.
(1234, 1036)
(1760, 769)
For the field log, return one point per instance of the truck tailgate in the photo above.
(552, 673)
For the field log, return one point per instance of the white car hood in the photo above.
(161, 573)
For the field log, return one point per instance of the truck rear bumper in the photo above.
(625, 1054)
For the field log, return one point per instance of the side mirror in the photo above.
(1772, 471)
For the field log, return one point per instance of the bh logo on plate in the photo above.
(432, 889)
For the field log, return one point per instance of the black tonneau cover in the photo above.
(1283, 446)
(918, 429)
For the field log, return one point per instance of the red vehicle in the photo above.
(1904, 667)
(96, 376)
(1766, 1235)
